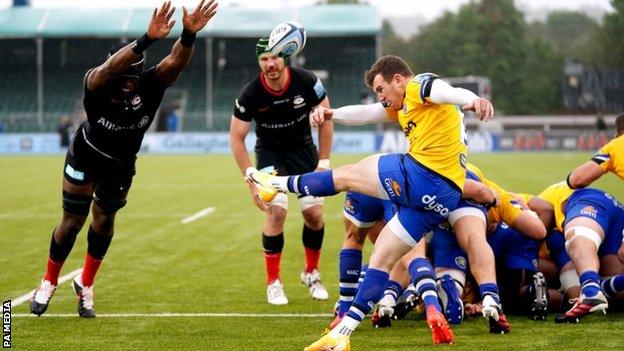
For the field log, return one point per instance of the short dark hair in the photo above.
(387, 66)
(619, 124)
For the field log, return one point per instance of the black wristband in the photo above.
(568, 181)
(187, 38)
(142, 43)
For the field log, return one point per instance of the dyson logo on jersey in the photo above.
(408, 128)
(431, 204)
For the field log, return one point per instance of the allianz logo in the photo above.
(431, 204)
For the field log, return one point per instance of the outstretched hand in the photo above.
(320, 115)
(482, 108)
(161, 23)
(196, 20)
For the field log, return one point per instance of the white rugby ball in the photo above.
(287, 39)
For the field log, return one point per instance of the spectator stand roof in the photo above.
(323, 20)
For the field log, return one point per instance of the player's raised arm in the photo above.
(352, 115)
(443, 93)
(169, 69)
(159, 27)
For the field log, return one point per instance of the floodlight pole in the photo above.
(39, 81)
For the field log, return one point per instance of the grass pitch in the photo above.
(214, 265)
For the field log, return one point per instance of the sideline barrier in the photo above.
(343, 143)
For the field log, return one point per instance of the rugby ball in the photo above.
(287, 39)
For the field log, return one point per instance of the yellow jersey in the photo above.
(557, 194)
(611, 157)
(509, 206)
(435, 132)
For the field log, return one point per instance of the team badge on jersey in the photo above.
(136, 102)
(298, 102)
(461, 262)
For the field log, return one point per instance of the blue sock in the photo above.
(394, 288)
(613, 285)
(490, 289)
(423, 278)
(349, 265)
(363, 273)
(314, 183)
(370, 292)
(590, 283)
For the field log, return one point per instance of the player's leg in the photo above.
(612, 267)
(110, 197)
(583, 238)
(312, 238)
(362, 217)
(470, 227)
(76, 203)
(361, 177)
(399, 279)
(273, 244)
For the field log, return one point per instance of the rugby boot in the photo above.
(313, 281)
(454, 306)
(382, 316)
(85, 298)
(584, 306)
(539, 297)
(41, 297)
(275, 293)
(494, 314)
(441, 333)
(261, 180)
(406, 302)
(330, 343)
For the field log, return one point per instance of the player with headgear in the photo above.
(280, 100)
(120, 100)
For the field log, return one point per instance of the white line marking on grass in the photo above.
(206, 211)
(170, 315)
(20, 300)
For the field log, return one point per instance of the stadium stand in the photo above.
(342, 42)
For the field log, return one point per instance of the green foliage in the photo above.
(607, 43)
(490, 38)
(568, 32)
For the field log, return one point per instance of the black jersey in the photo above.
(117, 130)
(281, 117)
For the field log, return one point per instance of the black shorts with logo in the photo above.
(84, 165)
(288, 160)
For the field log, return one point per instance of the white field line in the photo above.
(206, 211)
(20, 300)
(170, 315)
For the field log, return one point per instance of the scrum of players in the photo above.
(559, 251)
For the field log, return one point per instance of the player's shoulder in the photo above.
(251, 89)
(616, 143)
(300, 73)
(421, 78)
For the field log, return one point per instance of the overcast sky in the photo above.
(428, 9)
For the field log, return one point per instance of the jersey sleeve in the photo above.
(243, 108)
(421, 89)
(603, 157)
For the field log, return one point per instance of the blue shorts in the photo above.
(425, 199)
(512, 249)
(555, 242)
(604, 209)
(364, 211)
(445, 251)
